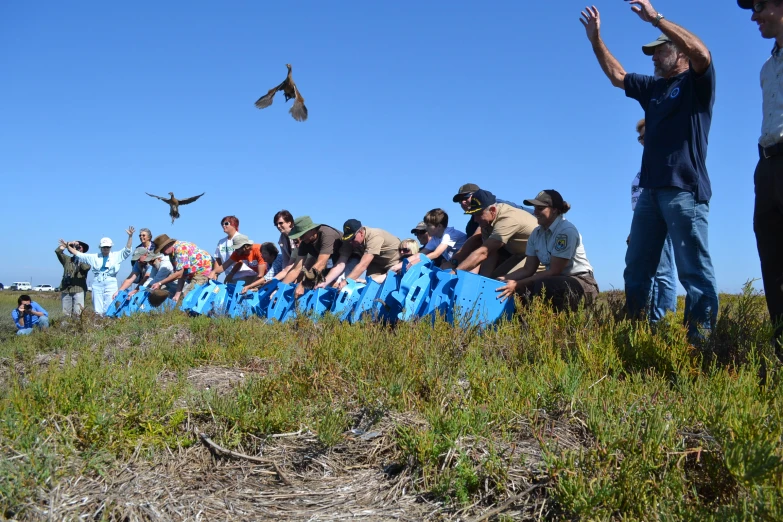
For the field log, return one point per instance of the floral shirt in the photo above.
(189, 257)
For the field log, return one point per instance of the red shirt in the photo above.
(252, 259)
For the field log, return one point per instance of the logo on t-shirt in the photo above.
(561, 242)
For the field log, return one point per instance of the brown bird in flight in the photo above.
(174, 203)
(298, 109)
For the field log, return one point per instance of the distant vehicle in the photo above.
(43, 288)
(21, 286)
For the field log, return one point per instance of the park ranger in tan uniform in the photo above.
(501, 246)
(377, 251)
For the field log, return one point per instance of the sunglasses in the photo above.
(405, 251)
(640, 138)
(226, 223)
(759, 6)
(280, 223)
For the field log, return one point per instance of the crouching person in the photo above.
(377, 252)
(501, 246)
(191, 265)
(557, 244)
(28, 315)
(149, 268)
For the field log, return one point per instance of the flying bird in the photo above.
(298, 109)
(174, 203)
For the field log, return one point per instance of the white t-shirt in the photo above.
(159, 274)
(225, 248)
(636, 190)
(452, 237)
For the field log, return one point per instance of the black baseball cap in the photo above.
(350, 228)
(746, 4)
(421, 227)
(649, 49)
(464, 190)
(481, 199)
(546, 198)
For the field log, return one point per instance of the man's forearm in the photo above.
(174, 275)
(687, 42)
(334, 273)
(609, 64)
(358, 269)
(474, 259)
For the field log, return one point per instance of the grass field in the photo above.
(551, 416)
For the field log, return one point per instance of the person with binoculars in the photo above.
(28, 315)
(104, 268)
(74, 283)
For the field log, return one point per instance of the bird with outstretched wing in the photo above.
(298, 110)
(174, 203)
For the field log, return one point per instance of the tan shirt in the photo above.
(383, 245)
(512, 227)
(772, 100)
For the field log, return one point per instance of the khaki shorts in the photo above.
(196, 280)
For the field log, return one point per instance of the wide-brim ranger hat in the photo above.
(464, 190)
(240, 240)
(546, 198)
(481, 200)
(140, 251)
(149, 257)
(302, 225)
(162, 242)
(649, 49)
(350, 228)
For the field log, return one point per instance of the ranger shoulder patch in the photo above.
(561, 242)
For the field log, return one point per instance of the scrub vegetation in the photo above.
(583, 415)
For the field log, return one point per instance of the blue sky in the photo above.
(103, 101)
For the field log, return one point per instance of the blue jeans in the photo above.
(676, 212)
(43, 322)
(663, 296)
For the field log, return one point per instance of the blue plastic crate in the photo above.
(315, 303)
(346, 300)
(189, 301)
(208, 294)
(476, 302)
(364, 306)
(417, 298)
(282, 304)
(442, 296)
(117, 307)
(384, 308)
(138, 301)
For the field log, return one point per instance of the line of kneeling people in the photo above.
(533, 251)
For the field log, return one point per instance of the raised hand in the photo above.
(63, 244)
(644, 9)
(591, 19)
(130, 230)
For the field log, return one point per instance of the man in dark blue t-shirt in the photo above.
(677, 105)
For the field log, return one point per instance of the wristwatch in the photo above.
(657, 19)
